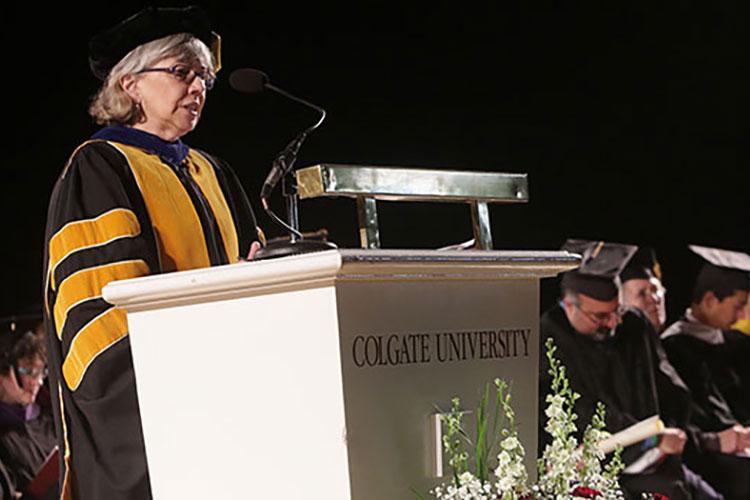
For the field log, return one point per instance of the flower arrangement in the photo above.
(566, 470)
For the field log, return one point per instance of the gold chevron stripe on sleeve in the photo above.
(88, 283)
(93, 339)
(87, 233)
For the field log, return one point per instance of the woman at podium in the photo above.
(132, 200)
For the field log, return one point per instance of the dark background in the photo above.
(626, 119)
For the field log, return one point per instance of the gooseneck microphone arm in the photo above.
(285, 159)
(301, 101)
(253, 81)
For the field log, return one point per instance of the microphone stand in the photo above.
(283, 169)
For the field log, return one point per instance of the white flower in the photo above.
(465, 478)
(556, 399)
(505, 483)
(471, 488)
(565, 465)
(510, 443)
(553, 411)
(517, 470)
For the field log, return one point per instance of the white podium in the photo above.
(317, 376)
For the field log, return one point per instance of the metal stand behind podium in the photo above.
(369, 183)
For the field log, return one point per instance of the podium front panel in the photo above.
(238, 396)
(407, 348)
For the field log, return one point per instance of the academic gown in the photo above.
(597, 372)
(738, 351)
(127, 204)
(593, 369)
(706, 366)
(27, 437)
(658, 389)
(703, 361)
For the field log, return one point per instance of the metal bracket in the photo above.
(480, 224)
(367, 213)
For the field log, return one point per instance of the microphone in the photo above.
(253, 81)
(248, 80)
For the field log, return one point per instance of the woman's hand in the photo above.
(254, 247)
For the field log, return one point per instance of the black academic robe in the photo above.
(738, 353)
(594, 370)
(597, 372)
(657, 387)
(24, 446)
(119, 211)
(707, 371)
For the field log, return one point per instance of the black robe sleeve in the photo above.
(657, 387)
(97, 232)
(711, 412)
(731, 369)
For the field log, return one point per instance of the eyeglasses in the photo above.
(35, 373)
(602, 317)
(186, 74)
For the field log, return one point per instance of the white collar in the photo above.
(689, 325)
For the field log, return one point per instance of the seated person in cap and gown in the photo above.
(133, 200)
(697, 348)
(641, 287)
(581, 327)
(658, 387)
(27, 432)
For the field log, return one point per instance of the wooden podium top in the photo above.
(324, 268)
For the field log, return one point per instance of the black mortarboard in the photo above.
(600, 264)
(108, 47)
(643, 265)
(722, 269)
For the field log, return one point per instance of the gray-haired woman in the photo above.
(131, 201)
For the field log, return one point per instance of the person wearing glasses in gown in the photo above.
(27, 432)
(132, 200)
(583, 326)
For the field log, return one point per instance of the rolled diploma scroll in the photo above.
(633, 434)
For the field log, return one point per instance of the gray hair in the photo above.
(573, 297)
(112, 105)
